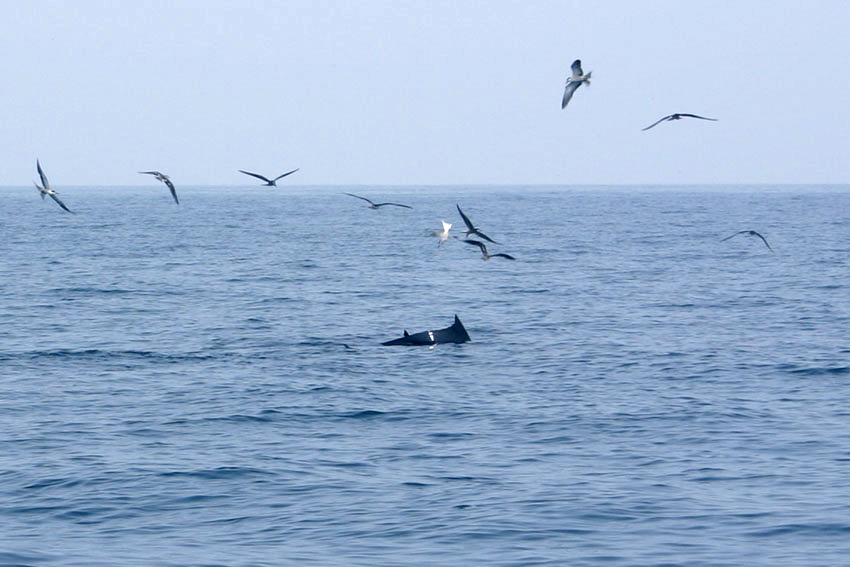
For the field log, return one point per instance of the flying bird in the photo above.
(443, 234)
(749, 233)
(373, 205)
(269, 182)
(45, 190)
(677, 116)
(472, 229)
(577, 79)
(165, 179)
(486, 255)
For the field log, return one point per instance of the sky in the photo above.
(424, 92)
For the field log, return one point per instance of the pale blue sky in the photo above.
(424, 92)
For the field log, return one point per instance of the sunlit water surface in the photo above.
(204, 384)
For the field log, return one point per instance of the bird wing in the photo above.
(41, 190)
(59, 201)
(359, 197)
(503, 255)
(697, 116)
(466, 220)
(657, 122)
(576, 68)
(171, 188)
(257, 175)
(763, 240)
(568, 92)
(485, 237)
(481, 245)
(280, 176)
(44, 182)
(394, 205)
(734, 235)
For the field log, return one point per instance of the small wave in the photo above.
(100, 354)
(264, 417)
(450, 436)
(818, 370)
(364, 414)
(96, 291)
(218, 473)
(811, 529)
(29, 558)
(53, 482)
(529, 291)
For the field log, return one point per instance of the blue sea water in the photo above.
(204, 384)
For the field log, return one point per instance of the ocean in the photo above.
(204, 385)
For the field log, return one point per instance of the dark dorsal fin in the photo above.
(406, 334)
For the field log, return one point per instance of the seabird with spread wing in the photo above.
(677, 116)
(443, 234)
(577, 79)
(373, 205)
(486, 255)
(45, 190)
(165, 179)
(269, 182)
(472, 229)
(749, 233)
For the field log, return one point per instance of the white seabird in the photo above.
(442, 234)
(577, 79)
(45, 190)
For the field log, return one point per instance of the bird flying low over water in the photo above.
(45, 190)
(486, 255)
(269, 182)
(165, 179)
(472, 229)
(373, 205)
(677, 116)
(749, 233)
(442, 234)
(577, 79)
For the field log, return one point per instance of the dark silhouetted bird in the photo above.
(165, 179)
(269, 182)
(677, 116)
(749, 233)
(373, 205)
(472, 229)
(486, 255)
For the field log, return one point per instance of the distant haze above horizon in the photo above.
(424, 92)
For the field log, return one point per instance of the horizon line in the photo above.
(477, 184)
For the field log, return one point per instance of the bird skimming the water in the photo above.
(373, 205)
(749, 233)
(165, 179)
(45, 190)
(442, 234)
(472, 229)
(486, 255)
(269, 182)
(677, 116)
(577, 79)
